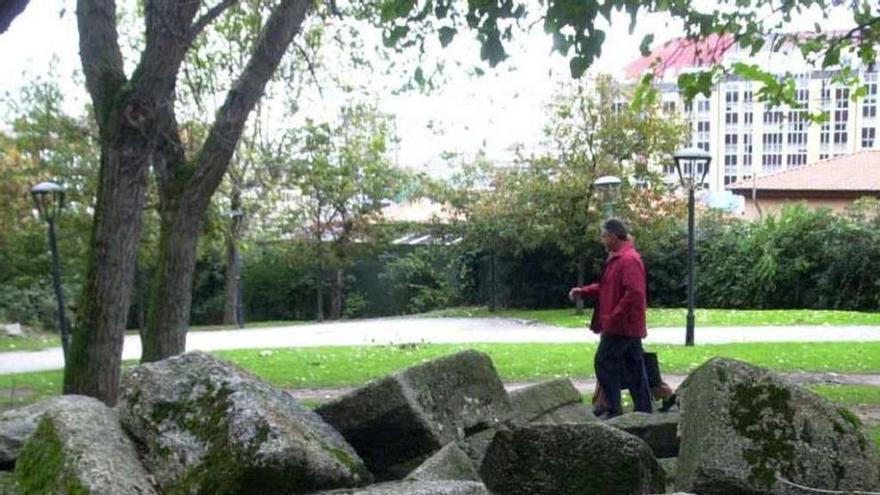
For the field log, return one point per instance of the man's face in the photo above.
(610, 241)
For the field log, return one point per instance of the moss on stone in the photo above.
(763, 414)
(42, 467)
(223, 469)
(9, 483)
(849, 417)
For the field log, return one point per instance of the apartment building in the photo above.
(746, 137)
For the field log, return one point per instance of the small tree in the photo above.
(341, 174)
(593, 131)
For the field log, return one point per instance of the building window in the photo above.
(840, 134)
(771, 163)
(748, 96)
(869, 104)
(731, 118)
(841, 117)
(868, 136)
(825, 134)
(772, 142)
(748, 118)
(773, 117)
(730, 142)
(703, 106)
(669, 106)
(730, 169)
(796, 160)
(747, 151)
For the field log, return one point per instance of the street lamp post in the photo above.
(692, 165)
(608, 187)
(49, 200)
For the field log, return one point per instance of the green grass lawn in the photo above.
(318, 367)
(31, 341)
(672, 317)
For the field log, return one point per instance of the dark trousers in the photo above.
(620, 363)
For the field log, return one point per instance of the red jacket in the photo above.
(621, 295)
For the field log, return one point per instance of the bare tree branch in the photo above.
(208, 17)
(213, 159)
(311, 67)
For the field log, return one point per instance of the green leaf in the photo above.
(441, 9)
(645, 94)
(419, 77)
(578, 65)
(561, 43)
(832, 57)
(645, 46)
(446, 35)
(492, 50)
(391, 38)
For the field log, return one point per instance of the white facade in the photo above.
(744, 137)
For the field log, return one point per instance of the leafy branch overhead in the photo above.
(575, 29)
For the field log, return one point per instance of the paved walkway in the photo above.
(392, 331)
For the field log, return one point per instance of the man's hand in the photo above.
(574, 294)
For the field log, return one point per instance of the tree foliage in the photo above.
(43, 144)
(340, 175)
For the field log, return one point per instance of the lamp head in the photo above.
(49, 199)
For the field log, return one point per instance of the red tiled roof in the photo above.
(858, 172)
(679, 54)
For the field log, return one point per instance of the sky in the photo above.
(491, 113)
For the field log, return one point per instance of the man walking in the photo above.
(619, 318)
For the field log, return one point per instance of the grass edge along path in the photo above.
(673, 317)
(328, 367)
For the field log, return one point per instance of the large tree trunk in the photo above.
(232, 299)
(581, 275)
(232, 286)
(93, 367)
(492, 281)
(319, 297)
(128, 114)
(171, 297)
(336, 295)
(186, 186)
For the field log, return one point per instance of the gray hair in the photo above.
(616, 228)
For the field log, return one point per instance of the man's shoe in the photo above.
(668, 403)
(606, 415)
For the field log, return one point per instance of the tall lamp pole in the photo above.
(49, 200)
(692, 165)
